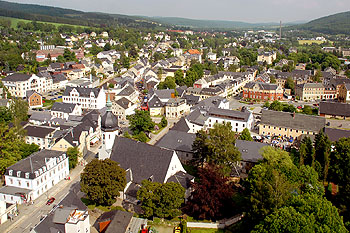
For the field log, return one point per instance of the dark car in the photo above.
(50, 201)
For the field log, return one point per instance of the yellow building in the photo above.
(274, 123)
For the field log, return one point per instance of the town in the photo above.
(173, 129)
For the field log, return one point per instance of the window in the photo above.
(27, 175)
(18, 174)
(10, 172)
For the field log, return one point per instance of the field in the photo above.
(301, 42)
(14, 22)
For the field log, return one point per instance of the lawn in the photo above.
(205, 230)
(301, 42)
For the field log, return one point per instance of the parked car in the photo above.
(50, 201)
(300, 107)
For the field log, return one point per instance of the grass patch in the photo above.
(205, 230)
(310, 42)
(91, 205)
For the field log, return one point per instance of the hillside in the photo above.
(206, 24)
(67, 16)
(332, 24)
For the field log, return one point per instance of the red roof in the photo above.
(193, 51)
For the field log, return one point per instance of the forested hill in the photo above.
(68, 16)
(332, 24)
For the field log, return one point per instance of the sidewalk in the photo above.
(29, 215)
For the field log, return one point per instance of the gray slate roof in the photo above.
(336, 134)
(38, 131)
(230, 114)
(143, 159)
(17, 77)
(250, 150)
(120, 222)
(177, 140)
(286, 119)
(63, 107)
(335, 108)
(35, 161)
(83, 91)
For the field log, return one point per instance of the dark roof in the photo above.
(262, 86)
(127, 91)
(181, 178)
(181, 125)
(230, 114)
(33, 162)
(336, 134)
(30, 93)
(38, 131)
(177, 140)
(17, 77)
(335, 108)
(191, 99)
(63, 107)
(250, 150)
(155, 102)
(83, 91)
(143, 159)
(56, 78)
(109, 122)
(286, 119)
(196, 117)
(120, 222)
(123, 102)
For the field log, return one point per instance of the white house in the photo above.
(40, 135)
(143, 161)
(64, 110)
(33, 176)
(18, 84)
(87, 98)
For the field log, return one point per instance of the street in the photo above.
(29, 215)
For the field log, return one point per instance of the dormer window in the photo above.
(44, 168)
(10, 172)
(18, 174)
(27, 175)
(40, 171)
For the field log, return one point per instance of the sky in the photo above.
(252, 11)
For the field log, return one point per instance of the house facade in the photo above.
(87, 98)
(262, 91)
(18, 84)
(274, 123)
(344, 93)
(33, 176)
(310, 91)
(34, 99)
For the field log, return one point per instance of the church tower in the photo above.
(109, 127)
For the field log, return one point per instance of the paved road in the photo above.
(29, 215)
(156, 137)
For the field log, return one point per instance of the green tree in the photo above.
(10, 144)
(306, 213)
(73, 154)
(169, 83)
(200, 148)
(322, 153)
(28, 149)
(290, 85)
(19, 109)
(179, 77)
(142, 137)
(163, 122)
(102, 181)
(140, 122)
(221, 145)
(245, 135)
(161, 200)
